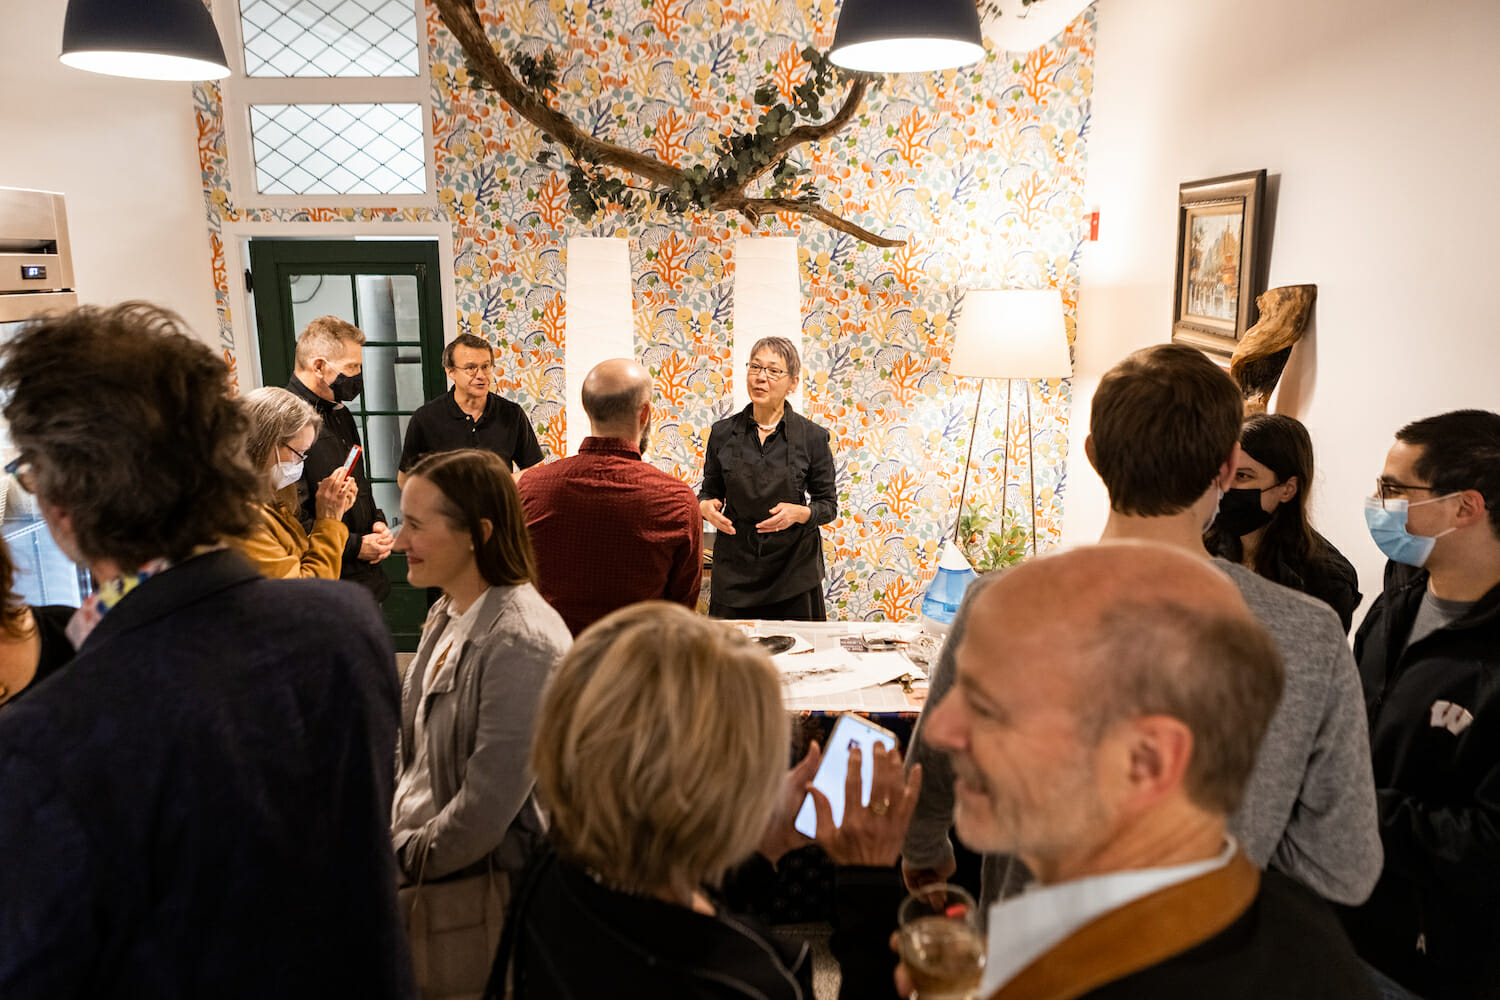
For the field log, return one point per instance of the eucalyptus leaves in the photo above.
(739, 159)
(529, 83)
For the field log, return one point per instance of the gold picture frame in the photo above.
(1218, 260)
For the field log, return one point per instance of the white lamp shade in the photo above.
(598, 320)
(1011, 333)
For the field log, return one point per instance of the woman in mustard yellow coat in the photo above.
(282, 428)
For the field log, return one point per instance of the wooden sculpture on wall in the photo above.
(1262, 352)
(718, 186)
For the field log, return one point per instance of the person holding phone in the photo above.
(660, 751)
(768, 484)
(282, 429)
(463, 820)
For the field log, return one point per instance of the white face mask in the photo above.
(285, 474)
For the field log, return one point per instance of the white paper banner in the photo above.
(767, 303)
(599, 321)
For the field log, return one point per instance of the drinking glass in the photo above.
(941, 944)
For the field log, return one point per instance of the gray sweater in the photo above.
(1309, 809)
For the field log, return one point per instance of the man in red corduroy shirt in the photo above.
(610, 529)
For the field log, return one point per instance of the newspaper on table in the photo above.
(822, 675)
(833, 671)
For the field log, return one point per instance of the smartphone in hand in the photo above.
(348, 465)
(850, 730)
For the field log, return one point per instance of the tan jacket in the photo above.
(281, 550)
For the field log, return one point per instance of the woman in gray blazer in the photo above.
(463, 817)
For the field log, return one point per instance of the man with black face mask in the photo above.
(328, 373)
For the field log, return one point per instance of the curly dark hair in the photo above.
(130, 430)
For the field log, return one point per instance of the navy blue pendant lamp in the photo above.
(149, 39)
(907, 36)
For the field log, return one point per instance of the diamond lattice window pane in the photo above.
(338, 148)
(329, 37)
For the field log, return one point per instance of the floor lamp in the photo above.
(1009, 334)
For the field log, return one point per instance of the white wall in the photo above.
(1376, 122)
(124, 152)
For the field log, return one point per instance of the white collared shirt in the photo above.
(1025, 927)
(412, 808)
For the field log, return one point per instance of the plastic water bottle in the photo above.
(946, 591)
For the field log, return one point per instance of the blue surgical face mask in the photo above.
(1386, 520)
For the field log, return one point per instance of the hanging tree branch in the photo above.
(716, 187)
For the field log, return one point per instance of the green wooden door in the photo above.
(389, 289)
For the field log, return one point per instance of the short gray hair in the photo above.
(324, 336)
(785, 350)
(1219, 675)
(276, 416)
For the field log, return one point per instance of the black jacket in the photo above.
(1326, 575)
(1285, 946)
(574, 938)
(199, 804)
(337, 435)
(794, 465)
(1433, 921)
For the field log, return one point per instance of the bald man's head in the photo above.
(1135, 630)
(614, 393)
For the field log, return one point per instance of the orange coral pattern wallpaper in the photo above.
(980, 170)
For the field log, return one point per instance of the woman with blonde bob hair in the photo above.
(659, 756)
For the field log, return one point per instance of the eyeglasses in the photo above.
(301, 455)
(470, 370)
(753, 369)
(1386, 489)
(23, 472)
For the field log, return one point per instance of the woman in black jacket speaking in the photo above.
(768, 484)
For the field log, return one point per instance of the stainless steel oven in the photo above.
(36, 278)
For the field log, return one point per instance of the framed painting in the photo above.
(1218, 239)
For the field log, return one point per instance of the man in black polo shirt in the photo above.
(328, 372)
(471, 416)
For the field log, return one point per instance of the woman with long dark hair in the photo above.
(1263, 523)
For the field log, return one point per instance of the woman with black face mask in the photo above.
(1262, 522)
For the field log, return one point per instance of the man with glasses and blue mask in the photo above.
(1429, 656)
(470, 416)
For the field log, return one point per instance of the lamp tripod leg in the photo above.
(974, 430)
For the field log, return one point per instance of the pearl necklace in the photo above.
(768, 428)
